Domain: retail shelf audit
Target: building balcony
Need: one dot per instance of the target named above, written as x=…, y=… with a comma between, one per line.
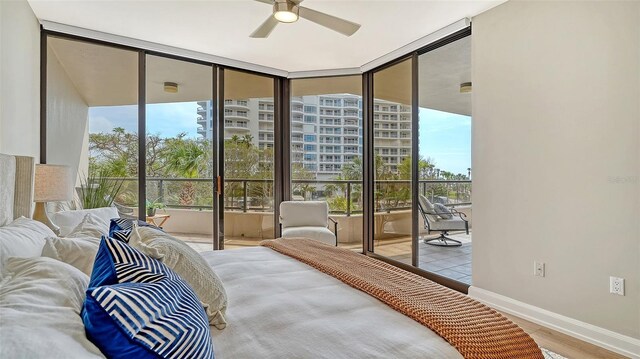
x=234, y=114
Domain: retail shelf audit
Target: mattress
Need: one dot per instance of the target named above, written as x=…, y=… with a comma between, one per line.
x=281, y=308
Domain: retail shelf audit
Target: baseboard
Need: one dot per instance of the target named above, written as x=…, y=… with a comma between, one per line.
x=601, y=337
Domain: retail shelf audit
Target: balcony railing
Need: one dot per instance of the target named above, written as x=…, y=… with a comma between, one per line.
x=344, y=196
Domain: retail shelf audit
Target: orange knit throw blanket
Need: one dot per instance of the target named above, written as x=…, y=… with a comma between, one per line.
x=474, y=329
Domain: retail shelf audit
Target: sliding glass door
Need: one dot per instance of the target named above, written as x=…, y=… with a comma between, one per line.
x=92, y=122
x=179, y=149
x=248, y=145
x=326, y=149
x=445, y=159
x=392, y=162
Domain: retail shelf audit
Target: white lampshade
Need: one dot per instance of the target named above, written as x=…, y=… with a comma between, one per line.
x=52, y=183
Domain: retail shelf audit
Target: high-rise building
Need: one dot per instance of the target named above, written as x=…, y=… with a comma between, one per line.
x=326, y=130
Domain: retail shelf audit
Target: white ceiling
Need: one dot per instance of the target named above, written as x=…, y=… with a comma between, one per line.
x=222, y=28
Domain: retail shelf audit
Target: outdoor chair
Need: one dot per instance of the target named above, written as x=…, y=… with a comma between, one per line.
x=441, y=219
x=307, y=219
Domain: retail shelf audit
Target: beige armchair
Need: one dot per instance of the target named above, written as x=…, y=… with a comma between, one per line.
x=307, y=219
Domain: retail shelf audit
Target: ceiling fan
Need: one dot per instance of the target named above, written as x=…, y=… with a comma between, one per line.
x=288, y=11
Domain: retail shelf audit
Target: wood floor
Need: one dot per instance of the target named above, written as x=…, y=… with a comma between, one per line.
x=563, y=344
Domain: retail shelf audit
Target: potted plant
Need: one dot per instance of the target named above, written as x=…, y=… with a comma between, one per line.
x=153, y=206
x=97, y=190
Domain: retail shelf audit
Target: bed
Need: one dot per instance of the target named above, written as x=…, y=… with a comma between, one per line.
x=279, y=307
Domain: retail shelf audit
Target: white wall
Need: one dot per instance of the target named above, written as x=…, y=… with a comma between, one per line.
x=67, y=120
x=19, y=79
x=556, y=157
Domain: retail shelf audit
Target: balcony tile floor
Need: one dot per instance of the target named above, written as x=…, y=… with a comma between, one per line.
x=450, y=262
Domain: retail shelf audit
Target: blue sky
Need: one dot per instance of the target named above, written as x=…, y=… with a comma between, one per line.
x=444, y=137
x=166, y=119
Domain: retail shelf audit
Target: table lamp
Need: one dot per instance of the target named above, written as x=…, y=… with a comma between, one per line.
x=52, y=184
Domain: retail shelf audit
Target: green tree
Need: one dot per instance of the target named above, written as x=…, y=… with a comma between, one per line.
x=185, y=158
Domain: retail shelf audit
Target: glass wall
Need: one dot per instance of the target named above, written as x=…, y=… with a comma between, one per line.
x=445, y=156
x=179, y=148
x=392, y=120
x=248, y=158
x=92, y=122
x=326, y=149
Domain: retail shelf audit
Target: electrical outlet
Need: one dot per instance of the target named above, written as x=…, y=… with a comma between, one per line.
x=616, y=285
x=538, y=269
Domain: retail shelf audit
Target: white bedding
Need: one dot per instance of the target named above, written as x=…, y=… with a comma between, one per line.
x=281, y=308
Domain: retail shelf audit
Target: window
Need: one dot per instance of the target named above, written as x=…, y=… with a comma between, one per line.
x=325, y=109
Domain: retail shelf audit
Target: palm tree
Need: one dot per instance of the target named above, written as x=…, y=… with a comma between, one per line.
x=185, y=158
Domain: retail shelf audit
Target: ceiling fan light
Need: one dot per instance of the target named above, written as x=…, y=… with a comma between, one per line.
x=285, y=11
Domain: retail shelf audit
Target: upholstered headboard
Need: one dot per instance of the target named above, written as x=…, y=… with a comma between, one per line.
x=16, y=187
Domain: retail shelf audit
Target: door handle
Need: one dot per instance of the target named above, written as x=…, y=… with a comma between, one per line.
x=219, y=185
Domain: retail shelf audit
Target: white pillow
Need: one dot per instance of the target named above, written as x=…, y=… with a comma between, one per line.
x=24, y=237
x=91, y=226
x=68, y=220
x=78, y=252
x=40, y=304
x=189, y=265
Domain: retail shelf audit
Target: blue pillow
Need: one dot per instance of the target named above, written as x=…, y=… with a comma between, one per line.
x=136, y=307
x=120, y=228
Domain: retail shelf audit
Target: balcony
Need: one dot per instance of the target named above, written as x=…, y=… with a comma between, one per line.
x=236, y=114
x=248, y=215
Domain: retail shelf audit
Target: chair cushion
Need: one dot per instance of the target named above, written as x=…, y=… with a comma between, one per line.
x=452, y=224
x=322, y=234
x=442, y=211
x=304, y=213
x=136, y=307
x=426, y=204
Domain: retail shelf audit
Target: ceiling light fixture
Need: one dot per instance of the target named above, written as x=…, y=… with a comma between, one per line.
x=285, y=11
x=170, y=87
x=465, y=87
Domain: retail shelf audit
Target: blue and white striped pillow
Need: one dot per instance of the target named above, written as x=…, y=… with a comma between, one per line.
x=136, y=307
x=120, y=228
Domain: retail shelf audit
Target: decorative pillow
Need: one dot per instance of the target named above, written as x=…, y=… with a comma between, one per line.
x=120, y=228
x=91, y=226
x=442, y=211
x=189, y=265
x=68, y=220
x=136, y=307
x=40, y=303
x=426, y=204
x=24, y=237
x=78, y=252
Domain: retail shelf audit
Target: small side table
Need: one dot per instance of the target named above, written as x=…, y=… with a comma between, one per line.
x=158, y=217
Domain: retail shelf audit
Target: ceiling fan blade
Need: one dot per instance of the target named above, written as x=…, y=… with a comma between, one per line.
x=270, y=2
x=265, y=29
x=342, y=26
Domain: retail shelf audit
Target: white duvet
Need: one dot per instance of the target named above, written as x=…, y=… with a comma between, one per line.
x=281, y=308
